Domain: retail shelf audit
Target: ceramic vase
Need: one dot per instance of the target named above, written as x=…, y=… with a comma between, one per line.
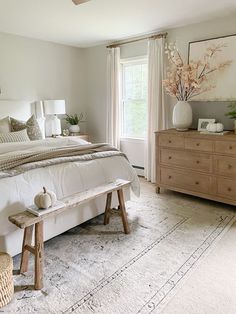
x=182, y=116
x=74, y=128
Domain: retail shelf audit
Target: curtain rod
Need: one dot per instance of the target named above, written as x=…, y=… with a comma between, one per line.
x=155, y=36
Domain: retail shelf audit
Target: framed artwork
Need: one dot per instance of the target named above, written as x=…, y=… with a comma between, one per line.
x=203, y=123
x=223, y=80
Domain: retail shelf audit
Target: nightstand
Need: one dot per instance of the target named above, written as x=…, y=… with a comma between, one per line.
x=83, y=136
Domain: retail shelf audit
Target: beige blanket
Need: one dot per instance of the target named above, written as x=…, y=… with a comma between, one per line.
x=18, y=162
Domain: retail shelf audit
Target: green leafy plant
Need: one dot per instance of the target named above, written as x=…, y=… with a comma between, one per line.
x=232, y=113
x=74, y=119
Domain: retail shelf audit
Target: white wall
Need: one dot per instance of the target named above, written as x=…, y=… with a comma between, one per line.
x=34, y=69
x=96, y=92
x=96, y=59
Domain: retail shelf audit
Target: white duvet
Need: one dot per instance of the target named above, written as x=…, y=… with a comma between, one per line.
x=17, y=192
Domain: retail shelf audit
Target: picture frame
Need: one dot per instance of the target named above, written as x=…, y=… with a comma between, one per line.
x=224, y=81
x=203, y=123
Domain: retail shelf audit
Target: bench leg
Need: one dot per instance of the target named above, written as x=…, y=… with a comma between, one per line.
x=108, y=207
x=39, y=255
x=25, y=253
x=123, y=211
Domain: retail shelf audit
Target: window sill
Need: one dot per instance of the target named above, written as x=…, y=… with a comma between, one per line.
x=132, y=139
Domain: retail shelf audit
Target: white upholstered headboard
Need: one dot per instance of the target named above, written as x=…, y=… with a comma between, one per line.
x=22, y=110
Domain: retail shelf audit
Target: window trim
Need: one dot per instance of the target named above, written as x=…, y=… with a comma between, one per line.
x=134, y=59
x=125, y=61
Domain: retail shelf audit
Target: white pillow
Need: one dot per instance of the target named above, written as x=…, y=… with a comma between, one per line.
x=18, y=136
x=5, y=125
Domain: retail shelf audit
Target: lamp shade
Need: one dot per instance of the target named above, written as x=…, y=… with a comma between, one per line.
x=54, y=107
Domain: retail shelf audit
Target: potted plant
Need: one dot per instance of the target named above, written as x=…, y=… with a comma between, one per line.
x=232, y=114
x=73, y=121
x=187, y=80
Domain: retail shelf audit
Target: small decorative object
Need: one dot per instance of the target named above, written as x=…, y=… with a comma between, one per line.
x=74, y=133
x=217, y=133
x=65, y=132
x=232, y=114
x=6, y=279
x=73, y=121
x=185, y=81
x=215, y=127
x=182, y=116
x=203, y=123
x=74, y=128
x=45, y=199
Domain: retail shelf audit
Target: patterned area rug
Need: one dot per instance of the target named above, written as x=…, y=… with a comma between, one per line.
x=97, y=269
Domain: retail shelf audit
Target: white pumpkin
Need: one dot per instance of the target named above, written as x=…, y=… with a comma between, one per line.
x=45, y=199
x=215, y=127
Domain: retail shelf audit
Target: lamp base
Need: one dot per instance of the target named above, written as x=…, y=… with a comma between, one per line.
x=53, y=126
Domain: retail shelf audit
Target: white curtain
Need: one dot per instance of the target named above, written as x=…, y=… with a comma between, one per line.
x=156, y=103
x=113, y=96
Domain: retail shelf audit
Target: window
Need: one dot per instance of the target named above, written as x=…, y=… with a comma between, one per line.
x=134, y=99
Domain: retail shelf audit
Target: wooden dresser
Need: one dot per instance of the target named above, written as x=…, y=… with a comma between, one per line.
x=197, y=164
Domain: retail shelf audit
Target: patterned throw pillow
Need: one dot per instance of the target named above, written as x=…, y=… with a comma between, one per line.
x=31, y=125
x=19, y=136
x=5, y=125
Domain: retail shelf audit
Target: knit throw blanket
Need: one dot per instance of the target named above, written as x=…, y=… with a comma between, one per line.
x=19, y=162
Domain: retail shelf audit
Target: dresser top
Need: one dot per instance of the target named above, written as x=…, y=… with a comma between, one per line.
x=196, y=134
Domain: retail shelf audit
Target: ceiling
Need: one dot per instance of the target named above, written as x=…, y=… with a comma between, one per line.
x=101, y=21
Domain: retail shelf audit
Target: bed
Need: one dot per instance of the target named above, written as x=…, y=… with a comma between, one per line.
x=65, y=175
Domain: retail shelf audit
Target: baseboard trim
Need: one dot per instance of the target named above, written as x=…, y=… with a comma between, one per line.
x=139, y=170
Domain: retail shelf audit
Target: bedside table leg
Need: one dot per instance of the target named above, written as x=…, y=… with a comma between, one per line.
x=158, y=190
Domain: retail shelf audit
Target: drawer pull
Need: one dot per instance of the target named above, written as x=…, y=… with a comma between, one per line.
x=170, y=141
x=229, y=166
x=229, y=189
x=230, y=147
x=198, y=162
x=197, y=183
x=170, y=177
x=198, y=144
x=170, y=157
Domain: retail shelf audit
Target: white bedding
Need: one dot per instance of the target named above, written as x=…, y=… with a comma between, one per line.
x=49, y=142
x=17, y=192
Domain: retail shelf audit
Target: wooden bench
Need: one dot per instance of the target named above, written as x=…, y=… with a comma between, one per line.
x=27, y=221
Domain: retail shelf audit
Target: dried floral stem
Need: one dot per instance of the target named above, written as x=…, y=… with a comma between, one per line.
x=185, y=81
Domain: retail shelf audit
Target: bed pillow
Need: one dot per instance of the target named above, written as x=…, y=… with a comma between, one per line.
x=5, y=125
x=19, y=136
x=32, y=126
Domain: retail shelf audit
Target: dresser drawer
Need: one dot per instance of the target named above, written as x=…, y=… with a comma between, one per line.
x=186, y=159
x=225, y=166
x=226, y=188
x=189, y=181
x=199, y=144
x=224, y=147
x=171, y=141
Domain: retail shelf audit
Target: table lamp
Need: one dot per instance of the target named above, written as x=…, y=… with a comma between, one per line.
x=51, y=109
